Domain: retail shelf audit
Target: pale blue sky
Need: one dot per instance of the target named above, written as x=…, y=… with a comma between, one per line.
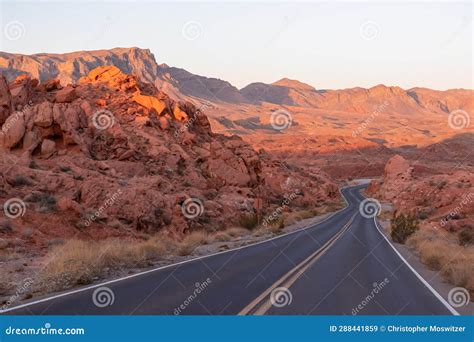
x=416, y=44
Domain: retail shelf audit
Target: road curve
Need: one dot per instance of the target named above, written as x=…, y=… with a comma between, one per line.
x=341, y=266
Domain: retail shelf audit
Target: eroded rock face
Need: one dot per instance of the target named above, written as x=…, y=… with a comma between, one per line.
x=442, y=198
x=6, y=104
x=114, y=156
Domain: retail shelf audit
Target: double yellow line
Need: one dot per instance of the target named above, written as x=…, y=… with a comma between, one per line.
x=261, y=304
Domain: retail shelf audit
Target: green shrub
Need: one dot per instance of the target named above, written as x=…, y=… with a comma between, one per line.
x=403, y=226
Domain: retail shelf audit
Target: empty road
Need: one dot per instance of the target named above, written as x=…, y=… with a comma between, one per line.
x=341, y=266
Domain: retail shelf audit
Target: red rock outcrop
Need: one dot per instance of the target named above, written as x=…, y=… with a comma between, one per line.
x=441, y=197
x=113, y=156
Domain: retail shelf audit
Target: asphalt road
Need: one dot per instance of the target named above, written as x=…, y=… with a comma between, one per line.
x=341, y=266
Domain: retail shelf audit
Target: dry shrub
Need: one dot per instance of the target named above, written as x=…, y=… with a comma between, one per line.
x=191, y=241
x=80, y=262
x=5, y=287
x=237, y=231
x=441, y=252
x=248, y=221
x=221, y=236
x=402, y=227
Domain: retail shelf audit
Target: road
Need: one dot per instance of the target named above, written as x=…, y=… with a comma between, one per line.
x=341, y=266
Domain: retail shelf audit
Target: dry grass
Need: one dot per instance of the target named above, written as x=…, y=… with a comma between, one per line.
x=191, y=241
x=237, y=231
x=79, y=262
x=228, y=234
x=441, y=252
x=221, y=236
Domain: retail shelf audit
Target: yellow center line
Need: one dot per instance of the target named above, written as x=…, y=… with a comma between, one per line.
x=291, y=276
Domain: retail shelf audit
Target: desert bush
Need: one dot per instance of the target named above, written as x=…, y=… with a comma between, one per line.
x=191, y=241
x=441, y=185
x=63, y=168
x=5, y=226
x=221, y=236
x=80, y=262
x=402, y=226
x=248, y=221
x=441, y=252
x=237, y=231
x=21, y=180
x=5, y=287
x=466, y=236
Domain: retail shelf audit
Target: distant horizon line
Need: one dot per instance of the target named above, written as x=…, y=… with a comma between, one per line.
x=220, y=79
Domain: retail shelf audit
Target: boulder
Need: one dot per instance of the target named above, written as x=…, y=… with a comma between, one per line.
x=13, y=130
x=396, y=166
x=66, y=95
x=48, y=147
x=44, y=114
x=6, y=104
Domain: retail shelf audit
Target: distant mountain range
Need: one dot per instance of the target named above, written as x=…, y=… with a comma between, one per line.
x=179, y=83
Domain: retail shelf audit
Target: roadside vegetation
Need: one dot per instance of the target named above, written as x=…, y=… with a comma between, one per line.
x=402, y=227
x=441, y=251
x=76, y=262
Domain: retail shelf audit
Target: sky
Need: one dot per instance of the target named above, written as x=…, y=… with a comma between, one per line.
x=329, y=45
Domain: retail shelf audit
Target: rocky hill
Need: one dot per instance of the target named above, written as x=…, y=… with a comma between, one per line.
x=113, y=156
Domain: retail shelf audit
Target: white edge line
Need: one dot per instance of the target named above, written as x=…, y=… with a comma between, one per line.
x=175, y=264
x=436, y=294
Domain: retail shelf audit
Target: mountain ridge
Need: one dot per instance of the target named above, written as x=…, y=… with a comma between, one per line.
x=184, y=85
